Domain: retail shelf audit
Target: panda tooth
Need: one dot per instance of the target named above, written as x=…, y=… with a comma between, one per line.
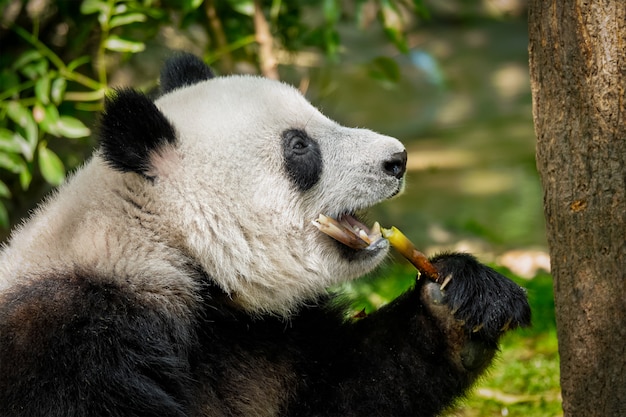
x=363, y=235
x=375, y=233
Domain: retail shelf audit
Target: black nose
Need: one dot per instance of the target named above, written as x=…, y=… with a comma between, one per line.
x=396, y=165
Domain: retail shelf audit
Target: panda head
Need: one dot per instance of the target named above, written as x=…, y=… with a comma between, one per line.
x=236, y=168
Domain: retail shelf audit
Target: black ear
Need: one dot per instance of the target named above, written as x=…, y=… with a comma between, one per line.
x=183, y=69
x=131, y=128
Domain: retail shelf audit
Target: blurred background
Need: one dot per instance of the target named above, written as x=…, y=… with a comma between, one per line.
x=449, y=78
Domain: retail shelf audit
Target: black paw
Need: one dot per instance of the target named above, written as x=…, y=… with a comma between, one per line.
x=486, y=302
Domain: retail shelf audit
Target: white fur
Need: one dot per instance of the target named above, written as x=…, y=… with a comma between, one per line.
x=221, y=199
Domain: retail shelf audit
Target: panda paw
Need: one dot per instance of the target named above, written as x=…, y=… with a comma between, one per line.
x=484, y=302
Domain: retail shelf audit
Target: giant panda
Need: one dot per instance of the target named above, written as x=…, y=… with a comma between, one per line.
x=177, y=273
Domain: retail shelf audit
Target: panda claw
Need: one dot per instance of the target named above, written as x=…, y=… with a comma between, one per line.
x=507, y=326
x=446, y=281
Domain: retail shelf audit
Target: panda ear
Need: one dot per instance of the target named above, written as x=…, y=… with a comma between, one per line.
x=132, y=129
x=183, y=69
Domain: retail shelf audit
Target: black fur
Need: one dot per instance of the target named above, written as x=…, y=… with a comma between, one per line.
x=131, y=128
x=182, y=70
x=76, y=346
x=302, y=159
x=73, y=346
x=486, y=301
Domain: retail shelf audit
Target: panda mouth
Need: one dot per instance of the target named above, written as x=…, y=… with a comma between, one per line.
x=351, y=232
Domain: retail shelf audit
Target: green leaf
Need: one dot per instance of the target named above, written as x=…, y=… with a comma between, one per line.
x=4, y=190
x=70, y=127
x=245, y=7
x=11, y=162
x=127, y=19
x=115, y=43
x=35, y=69
x=8, y=142
x=25, y=58
x=51, y=166
x=398, y=39
x=191, y=5
x=23, y=118
x=50, y=121
x=93, y=6
x=42, y=89
x=4, y=217
x=26, y=176
x=14, y=142
x=57, y=90
x=393, y=24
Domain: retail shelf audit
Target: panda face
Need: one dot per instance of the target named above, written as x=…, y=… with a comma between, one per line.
x=253, y=165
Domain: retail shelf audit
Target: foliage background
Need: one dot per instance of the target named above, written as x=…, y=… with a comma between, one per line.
x=447, y=77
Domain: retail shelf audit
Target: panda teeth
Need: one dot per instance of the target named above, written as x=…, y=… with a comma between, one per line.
x=351, y=232
x=339, y=232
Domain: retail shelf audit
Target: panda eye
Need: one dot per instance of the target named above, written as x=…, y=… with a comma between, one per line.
x=302, y=158
x=298, y=142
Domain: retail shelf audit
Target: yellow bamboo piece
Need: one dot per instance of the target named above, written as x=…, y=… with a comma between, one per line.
x=402, y=244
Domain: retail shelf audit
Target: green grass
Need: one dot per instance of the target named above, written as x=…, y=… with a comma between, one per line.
x=524, y=379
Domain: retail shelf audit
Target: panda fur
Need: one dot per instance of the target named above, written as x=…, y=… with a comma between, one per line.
x=177, y=273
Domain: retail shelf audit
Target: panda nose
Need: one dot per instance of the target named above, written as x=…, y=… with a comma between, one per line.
x=395, y=165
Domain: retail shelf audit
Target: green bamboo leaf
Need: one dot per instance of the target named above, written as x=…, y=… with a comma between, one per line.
x=57, y=90
x=126, y=19
x=4, y=190
x=42, y=90
x=70, y=127
x=51, y=167
x=117, y=44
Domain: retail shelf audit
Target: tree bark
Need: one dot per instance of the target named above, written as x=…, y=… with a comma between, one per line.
x=578, y=79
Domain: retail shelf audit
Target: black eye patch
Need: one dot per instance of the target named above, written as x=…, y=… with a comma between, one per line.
x=302, y=158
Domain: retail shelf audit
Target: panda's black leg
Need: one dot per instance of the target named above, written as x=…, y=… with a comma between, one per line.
x=75, y=346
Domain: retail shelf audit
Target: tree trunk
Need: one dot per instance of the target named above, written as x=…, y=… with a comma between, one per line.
x=578, y=78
